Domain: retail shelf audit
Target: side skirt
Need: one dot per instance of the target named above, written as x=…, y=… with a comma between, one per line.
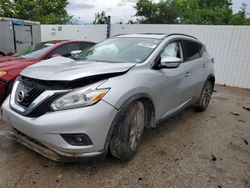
x=170, y=113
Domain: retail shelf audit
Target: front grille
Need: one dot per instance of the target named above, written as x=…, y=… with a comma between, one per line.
x=44, y=107
x=27, y=93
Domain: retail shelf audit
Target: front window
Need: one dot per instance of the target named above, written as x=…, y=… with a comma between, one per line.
x=172, y=50
x=120, y=50
x=34, y=51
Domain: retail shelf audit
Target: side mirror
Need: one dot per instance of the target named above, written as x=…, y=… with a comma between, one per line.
x=75, y=52
x=170, y=62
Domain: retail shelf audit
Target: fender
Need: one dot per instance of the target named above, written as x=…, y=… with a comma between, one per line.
x=150, y=122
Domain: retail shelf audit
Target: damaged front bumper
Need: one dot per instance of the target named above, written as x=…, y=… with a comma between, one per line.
x=45, y=151
x=44, y=134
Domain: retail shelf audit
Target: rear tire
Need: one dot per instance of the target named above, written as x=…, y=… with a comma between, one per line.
x=128, y=131
x=2, y=54
x=205, y=97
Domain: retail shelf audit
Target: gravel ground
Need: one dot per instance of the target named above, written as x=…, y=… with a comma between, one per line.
x=210, y=149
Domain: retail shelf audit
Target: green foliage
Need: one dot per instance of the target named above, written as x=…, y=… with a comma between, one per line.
x=207, y=12
x=44, y=11
x=241, y=17
x=210, y=12
x=164, y=12
x=100, y=18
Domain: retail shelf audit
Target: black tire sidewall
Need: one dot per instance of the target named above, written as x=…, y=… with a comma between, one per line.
x=123, y=133
x=201, y=106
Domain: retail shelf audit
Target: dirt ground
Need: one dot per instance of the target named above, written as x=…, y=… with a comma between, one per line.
x=210, y=149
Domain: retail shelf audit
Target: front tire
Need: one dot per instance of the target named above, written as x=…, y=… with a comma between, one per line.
x=128, y=131
x=205, y=97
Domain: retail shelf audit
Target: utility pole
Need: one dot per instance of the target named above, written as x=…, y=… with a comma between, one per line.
x=108, y=26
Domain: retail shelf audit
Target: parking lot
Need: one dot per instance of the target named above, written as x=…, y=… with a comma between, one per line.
x=210, y=149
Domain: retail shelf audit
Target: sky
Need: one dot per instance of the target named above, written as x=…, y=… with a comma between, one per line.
x=119, y=10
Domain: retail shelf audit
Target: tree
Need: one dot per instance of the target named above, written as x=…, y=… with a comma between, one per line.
x=101, y=18
x=44, y=11
x=164, y=12
x=6, y=8
x=241, y=17
x=210, y=12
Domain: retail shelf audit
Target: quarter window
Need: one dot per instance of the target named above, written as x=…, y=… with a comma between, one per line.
x=191, y=50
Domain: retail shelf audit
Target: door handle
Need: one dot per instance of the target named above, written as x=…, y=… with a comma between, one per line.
x=204, y=65
x=187, y=74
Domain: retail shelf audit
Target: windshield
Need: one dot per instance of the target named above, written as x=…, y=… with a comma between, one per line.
x=120, y=50
x=34, y=51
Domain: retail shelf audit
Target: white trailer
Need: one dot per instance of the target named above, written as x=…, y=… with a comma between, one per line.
x=16, y=34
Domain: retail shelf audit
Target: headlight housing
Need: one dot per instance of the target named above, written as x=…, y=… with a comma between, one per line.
x=80, y=97
x=2, y=73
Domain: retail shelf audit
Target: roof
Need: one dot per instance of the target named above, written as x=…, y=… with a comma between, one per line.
x=54, y=41
x=66, y=41
x=19, y=21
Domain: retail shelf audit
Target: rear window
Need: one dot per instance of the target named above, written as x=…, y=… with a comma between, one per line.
x=191, y=50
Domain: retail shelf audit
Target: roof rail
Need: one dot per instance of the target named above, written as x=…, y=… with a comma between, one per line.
x=141, y=34
x=181, y=34
x=166, y=35
x=153, y=33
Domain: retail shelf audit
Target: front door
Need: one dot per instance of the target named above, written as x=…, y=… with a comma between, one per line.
x=174, y=90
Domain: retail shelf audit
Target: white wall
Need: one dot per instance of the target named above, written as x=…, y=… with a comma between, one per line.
x=94, y=33
x=230, y=45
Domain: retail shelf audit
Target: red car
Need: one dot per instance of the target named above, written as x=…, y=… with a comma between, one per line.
x=11, y=66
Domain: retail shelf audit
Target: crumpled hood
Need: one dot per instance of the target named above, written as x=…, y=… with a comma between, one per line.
x=66, y=69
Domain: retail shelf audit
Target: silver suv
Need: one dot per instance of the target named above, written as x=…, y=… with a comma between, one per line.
x=103, y=100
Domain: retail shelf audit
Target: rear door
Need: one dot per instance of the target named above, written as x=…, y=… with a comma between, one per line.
x=194, y=64
x=23, y=37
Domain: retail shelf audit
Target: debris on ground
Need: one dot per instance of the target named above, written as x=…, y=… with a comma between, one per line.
x=241, y=121
x=246, y=108
x=140, y=178
x=213, y=157
x=235, y=114
x=59, y=177
x=45, y=165
x=246, y=142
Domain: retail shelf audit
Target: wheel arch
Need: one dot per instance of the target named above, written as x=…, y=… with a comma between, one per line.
x=150, y=114
x=211, y=78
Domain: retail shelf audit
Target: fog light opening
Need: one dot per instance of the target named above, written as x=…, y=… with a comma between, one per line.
x=77, y=139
